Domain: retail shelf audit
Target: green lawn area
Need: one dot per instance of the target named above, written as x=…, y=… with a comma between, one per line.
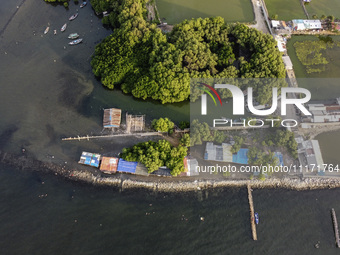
x=175, y=11
x=286, y=10
x=324, y=7
x=324, y=85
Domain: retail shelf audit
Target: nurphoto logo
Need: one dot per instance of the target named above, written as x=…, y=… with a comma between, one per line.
x=287, y=98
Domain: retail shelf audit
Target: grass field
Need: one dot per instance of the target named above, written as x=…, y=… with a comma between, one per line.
x=286, y=10
x=175, y=11
x=324, y=7
x=324, y=85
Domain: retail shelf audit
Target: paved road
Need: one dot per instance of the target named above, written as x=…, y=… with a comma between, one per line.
x=260, y=20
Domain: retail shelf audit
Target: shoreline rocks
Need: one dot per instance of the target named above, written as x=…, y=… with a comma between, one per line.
x=163, y=185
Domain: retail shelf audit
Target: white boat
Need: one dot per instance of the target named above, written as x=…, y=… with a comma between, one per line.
x=55, y=31
x=73, y=36
x=46, y=30
x=63, y=28
x=73, y=16
x=75, y=42
x=83, y=4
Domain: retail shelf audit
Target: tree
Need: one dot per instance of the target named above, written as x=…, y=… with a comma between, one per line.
x=219, y=136
x=199, y=132
x=184, y=124
x=156, y=154
x=185, y=140
x=237, y=145
x=162, y=125
x=142, y=61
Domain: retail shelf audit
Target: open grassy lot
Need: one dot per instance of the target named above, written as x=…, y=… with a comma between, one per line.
x=324, y=7
x=175, y=11
x=286, y=10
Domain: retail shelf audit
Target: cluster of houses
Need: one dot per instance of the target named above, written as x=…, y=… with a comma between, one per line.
x=112, y=165
x=223, y=153
x=323, y=112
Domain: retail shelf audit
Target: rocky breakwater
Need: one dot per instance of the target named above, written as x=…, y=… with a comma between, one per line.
x=163, y=184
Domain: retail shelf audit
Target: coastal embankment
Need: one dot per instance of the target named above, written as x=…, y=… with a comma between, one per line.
x=162, y=184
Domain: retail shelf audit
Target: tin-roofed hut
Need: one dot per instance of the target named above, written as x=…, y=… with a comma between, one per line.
x=112, y=118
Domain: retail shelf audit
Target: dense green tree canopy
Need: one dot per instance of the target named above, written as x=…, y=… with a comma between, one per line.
x=143, y=61
x=163, y=125
x=156, y=154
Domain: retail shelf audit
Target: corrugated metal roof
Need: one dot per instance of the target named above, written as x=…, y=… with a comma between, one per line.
x=90, y=159
x=112, y=117
x=109, y=164
x=127, y=166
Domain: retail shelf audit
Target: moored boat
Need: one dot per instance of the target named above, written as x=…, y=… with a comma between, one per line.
x=83, y=4
x=55, y=31
x=73, y=36
x=63, y=28
x=46, y=30
x=75, y=42
x=256, y=215
x=73, y=16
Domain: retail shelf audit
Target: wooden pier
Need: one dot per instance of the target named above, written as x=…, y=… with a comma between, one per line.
x=336, y=230
x=252, y=213
x=108, y=136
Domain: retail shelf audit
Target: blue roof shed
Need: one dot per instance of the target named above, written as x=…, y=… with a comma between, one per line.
x=127, y=166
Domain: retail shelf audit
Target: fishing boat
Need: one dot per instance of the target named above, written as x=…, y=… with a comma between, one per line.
x=73, y=16
x=46, y=30
x=256, y=215
x=75, y=42
x=63, y=28
x=83, y=4
x=55, y=31
x=73, y=36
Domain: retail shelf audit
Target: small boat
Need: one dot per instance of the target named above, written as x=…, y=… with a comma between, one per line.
x=256, y=218
x=63, y=28
x=83, y=4
x=75, y=42
x=46, y=30
x=55, y=31
x=73, y=36
x=73, y=16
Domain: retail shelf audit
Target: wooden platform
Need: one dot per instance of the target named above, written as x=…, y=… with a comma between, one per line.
x=108, y=136
x=252, y=213
x=336, y=230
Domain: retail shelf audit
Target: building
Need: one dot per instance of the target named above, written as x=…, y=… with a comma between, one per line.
x=126, y=166
x=112, y=118
x=109, y=165
x=190, y=166
x=281, y=44
x=223, y=153
x=218, y=152
x=306, y=24
x=287, y=62
x=135, y=123
x=322, y=113
x=310, y=154
x=275, y=24
x=90, y=159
